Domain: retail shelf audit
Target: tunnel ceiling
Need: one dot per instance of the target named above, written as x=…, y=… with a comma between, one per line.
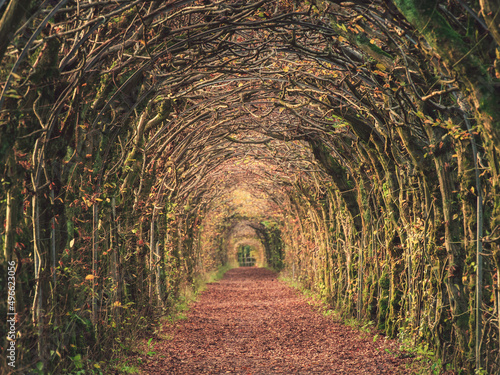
x=219, y=94
x=176, y=103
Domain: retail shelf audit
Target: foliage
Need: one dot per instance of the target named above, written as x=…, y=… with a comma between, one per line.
x=347, y=143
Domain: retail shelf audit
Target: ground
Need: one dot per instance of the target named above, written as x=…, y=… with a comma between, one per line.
x=251, y=323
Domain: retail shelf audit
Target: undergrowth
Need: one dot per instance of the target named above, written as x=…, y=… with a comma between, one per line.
x=138, y=347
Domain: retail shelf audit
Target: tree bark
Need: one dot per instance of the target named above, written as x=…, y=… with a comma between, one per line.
x=491, y=13
x=338, y=173
x=10, y=215
x=459, y=56
x=10, y=20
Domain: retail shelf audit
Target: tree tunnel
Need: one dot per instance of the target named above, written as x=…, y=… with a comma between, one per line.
x=352, y=145
x=243, y=243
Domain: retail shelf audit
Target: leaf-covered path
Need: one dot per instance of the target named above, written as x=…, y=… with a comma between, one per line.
x=250, y=323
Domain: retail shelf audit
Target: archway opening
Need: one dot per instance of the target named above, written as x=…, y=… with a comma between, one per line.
x=246, y=256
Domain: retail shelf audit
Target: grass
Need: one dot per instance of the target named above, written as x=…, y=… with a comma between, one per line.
x=424, y=359
x=315, y=299
x=219, y=274
x=128, y=369
x=189, y=294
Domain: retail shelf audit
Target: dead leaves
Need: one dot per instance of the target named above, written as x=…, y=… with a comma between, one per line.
x=249, y=323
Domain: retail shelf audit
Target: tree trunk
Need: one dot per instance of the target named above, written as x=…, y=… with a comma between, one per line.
x=10, y=220
x=53, y=247
x=94, y=263
x=151, y=255
x=12, y=17
x=159, y=293
x=115, y=262
x=460, y=56
x=452, y=232
x=38, y=298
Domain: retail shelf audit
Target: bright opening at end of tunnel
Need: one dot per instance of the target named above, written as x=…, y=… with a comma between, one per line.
x=245, y=212
x=246, y=256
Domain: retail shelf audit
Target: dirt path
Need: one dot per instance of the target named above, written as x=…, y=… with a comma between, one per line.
x=250, y=323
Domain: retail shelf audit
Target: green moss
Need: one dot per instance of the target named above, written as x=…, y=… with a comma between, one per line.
x=48, y=65
x=384, y=281
x=383, y=305
x=370, y=296
x=362, y=39
x=375, y=48
x=424, y=15
x=489, y=105
x=396, y=301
